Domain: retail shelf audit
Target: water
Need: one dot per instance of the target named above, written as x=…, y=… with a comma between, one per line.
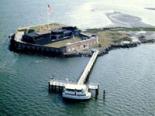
x=127, y=75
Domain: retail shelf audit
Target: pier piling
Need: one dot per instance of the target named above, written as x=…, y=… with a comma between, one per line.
x=103, y=94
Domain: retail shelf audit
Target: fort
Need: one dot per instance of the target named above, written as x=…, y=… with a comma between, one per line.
x=52, y=39
x=60, y=40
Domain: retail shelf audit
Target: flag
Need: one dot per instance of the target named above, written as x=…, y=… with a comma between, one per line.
x=49, y=9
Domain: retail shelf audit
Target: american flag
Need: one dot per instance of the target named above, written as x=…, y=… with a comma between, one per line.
x=49, y=9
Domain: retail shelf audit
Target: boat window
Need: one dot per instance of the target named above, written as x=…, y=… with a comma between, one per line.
x=72, y=90
x=79, y=90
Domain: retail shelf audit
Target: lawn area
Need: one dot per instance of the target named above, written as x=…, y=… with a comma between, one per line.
x=134, y=29
x=63, y=43
x=46, y=27
x=95, y=30
x=41, y=28
x=108, y=37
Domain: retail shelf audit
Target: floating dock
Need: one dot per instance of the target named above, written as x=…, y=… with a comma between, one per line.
x=57, y=86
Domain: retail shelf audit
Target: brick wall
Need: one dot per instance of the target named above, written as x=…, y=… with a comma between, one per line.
x=81, y=45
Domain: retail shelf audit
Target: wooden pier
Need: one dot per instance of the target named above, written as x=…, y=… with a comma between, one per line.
x=57, y=86
x=88, y=68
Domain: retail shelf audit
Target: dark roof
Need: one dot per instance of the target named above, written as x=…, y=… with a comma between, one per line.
x=32, y=35
x=70, y=28
x=59, y=31
x=62, y=33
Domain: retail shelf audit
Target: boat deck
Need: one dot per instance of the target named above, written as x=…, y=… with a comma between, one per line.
x=58, y=85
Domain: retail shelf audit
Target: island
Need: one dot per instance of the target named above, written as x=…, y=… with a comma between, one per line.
x=60, y=40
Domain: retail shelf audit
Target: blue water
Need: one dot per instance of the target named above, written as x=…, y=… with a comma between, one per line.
x=127, y=75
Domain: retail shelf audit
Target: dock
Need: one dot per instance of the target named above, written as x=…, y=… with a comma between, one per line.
x=57, y=85
x=88, y=68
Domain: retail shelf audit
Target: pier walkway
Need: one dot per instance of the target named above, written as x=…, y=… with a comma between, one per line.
x=57, y=86
x=88, y=68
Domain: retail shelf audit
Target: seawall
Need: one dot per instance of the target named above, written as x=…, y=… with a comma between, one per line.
x=20, y=47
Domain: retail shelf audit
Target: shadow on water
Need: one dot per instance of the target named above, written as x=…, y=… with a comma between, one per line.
x=67, y=101
x=70, y=101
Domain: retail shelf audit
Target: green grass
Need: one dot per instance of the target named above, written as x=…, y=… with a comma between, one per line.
x=108, y=37
x=135, y=29
x=46, y=27
x=96, y=30
x=41, y=28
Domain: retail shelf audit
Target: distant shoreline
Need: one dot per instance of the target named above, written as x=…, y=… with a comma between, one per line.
x=150, y=8
x=126, y=20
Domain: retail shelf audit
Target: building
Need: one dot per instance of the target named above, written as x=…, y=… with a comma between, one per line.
x=61, y=41
x=53, y=36
x=81, y=45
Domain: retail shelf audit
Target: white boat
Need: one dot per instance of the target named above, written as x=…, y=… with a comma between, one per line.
x=76, y=92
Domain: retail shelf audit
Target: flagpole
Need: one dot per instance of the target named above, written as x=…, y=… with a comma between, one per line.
x=48, y=17
x=49, y=13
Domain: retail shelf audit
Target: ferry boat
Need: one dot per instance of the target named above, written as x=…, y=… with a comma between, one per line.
x=76, y=92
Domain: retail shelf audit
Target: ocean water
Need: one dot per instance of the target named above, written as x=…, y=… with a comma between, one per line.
x=127, y=75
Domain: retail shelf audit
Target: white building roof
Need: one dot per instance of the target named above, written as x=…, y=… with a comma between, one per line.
x=75, y=86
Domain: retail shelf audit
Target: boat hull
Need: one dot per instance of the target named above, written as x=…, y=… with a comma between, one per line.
x=76, y=97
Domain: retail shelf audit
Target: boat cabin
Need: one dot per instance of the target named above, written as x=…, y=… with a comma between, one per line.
x=76, y=92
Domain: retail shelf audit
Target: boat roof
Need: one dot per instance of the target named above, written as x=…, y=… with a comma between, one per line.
x=75, y=86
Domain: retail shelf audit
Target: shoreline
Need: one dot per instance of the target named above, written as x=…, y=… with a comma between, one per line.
x=103, y=39
x=14, y=45
x=126, y=20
